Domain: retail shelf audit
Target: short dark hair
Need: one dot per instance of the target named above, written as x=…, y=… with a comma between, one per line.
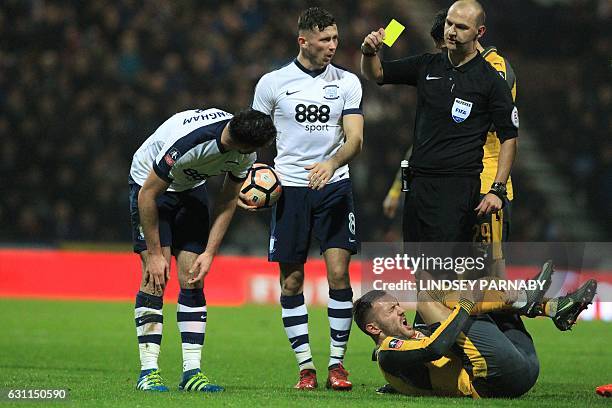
x=315, y=18
x=252, y=128
x=437, y=28
x=363, y=306
x=481, y=16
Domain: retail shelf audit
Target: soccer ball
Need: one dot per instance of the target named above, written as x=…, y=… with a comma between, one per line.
x=262, y=188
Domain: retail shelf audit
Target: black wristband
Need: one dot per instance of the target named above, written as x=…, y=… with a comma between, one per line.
x=499, y=195
x=367, y=54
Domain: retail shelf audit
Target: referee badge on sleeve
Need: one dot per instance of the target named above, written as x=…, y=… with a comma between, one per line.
x=461, y=110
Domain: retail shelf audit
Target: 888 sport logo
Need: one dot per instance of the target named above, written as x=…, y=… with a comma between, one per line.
x=316, y=116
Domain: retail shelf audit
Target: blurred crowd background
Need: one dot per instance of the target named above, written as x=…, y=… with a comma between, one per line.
x=83, y=84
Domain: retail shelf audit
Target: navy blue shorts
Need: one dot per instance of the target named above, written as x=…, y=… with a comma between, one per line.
x=300, y=212
x=183, y=220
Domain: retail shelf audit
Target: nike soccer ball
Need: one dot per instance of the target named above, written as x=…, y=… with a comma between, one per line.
x=262, y=188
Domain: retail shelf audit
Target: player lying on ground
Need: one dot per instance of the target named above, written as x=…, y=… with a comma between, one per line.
x=170, y=216
x=468, y=353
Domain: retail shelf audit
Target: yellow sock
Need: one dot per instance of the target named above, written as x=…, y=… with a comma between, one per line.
x=493, y=301
x=550, y=307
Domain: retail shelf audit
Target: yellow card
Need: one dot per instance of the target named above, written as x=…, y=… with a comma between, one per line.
x=393, y=30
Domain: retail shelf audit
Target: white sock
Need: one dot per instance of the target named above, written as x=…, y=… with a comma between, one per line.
x=521, y=299
x=192, y=356
x=149, y=353
x=149, y=325
x=191, y=316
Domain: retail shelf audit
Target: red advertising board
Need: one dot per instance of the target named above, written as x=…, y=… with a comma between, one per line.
x=232, y=281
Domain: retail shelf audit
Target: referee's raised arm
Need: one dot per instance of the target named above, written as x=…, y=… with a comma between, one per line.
x=371, y=67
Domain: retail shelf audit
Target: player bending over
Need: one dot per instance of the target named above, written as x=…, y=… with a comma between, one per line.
x=467, y=353
x=170, y=216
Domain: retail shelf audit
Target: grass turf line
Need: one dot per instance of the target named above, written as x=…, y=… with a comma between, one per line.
x=91, y=348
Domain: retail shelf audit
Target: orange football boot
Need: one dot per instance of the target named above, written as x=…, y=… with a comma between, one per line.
x=604, y=390
x=308, y=380
x=338, y=379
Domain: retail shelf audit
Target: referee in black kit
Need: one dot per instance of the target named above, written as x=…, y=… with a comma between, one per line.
x=459, y=97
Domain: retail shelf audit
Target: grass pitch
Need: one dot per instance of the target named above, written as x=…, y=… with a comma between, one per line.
x=90, y=348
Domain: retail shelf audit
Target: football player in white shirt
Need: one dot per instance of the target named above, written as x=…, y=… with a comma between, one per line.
x=316, y=107
x=169, y=212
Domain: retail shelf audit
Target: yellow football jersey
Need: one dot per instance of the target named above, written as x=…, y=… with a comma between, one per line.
x=492, y=145
x=415, y=367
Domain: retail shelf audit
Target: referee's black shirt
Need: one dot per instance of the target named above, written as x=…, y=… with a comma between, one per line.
x=455, y=109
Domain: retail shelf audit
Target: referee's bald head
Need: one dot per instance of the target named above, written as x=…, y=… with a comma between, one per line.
x=474, y=8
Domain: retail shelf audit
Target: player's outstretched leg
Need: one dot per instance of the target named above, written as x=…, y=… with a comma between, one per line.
x=564, y=310
x=525, y=302
x=534, y=305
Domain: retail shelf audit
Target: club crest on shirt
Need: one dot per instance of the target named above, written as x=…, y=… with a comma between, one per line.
x=396, y=343
x=461, y=110
x=172, y=156
x=330, y=91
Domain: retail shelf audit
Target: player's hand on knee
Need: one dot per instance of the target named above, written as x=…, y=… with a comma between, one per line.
x=373, y=41
x=157, y=272
x=320, y=174
x=200, y=267
x=490, y=203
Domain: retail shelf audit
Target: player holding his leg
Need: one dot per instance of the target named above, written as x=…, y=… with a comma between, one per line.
x=170, y=216
x=464, y=352
x=316, y=108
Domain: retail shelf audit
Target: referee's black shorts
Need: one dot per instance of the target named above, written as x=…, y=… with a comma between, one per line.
x=441, y=209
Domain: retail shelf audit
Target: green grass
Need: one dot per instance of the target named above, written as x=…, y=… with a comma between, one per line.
x=91, y=349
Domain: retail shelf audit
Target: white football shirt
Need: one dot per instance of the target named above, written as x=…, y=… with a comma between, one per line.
x=186, y=150
x=307, y=108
